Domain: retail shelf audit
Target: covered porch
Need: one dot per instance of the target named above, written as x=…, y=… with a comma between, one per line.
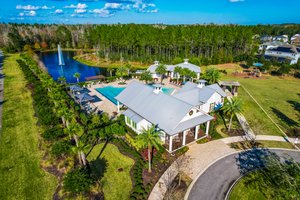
x=181, y=139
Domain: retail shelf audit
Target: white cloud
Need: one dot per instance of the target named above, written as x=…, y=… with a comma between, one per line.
x=101, y=12
x=21, y=14
x=27, y=7
x=58, y=11
x=112, y=6
x=31, y=7
x=31, y=13
x=235, y=1
x=79, y=11
x=78, y=6
x=47, y=8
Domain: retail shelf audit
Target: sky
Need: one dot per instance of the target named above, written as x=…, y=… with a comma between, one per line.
x=245, y=12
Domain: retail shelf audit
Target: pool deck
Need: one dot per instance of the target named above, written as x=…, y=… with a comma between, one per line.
x=106, y=105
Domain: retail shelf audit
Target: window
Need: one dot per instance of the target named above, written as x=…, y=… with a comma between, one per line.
x=127, y=120
x=133, y=125
x=211, y=107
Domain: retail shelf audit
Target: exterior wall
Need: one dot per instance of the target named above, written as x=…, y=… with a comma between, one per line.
x=143, y=124
x=216, y=99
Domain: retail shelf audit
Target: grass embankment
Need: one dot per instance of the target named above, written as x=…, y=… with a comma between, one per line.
x=262, y=144
x=279, y=96
x=20, y=171
x=243, y=191
x=116, y=181
x=93, y=60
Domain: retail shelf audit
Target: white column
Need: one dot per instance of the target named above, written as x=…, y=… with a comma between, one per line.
x=196, y=132
x=170, y=143
x=184, y=137
x=118, y=105
x=207, y=128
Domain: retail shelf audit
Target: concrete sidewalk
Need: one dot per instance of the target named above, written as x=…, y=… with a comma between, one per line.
x=199, y=157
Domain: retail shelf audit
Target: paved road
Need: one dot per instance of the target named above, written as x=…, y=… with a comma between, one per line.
x=214, y=183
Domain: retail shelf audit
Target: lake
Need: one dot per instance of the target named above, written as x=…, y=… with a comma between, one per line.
x=50, y=59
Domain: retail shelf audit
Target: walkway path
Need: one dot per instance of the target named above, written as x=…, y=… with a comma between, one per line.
x=1, y=89
x=199, y=157
x=215, y=182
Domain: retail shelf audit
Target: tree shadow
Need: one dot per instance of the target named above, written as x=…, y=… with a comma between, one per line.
x=98, y=168
x=296, y=106
x=282, y=116
x=253, y=159
x=2, y=102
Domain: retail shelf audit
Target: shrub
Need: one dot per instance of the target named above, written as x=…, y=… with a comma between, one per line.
x=182, y=150
x=61, y=148
x=53, y=133
x=77, y=181
x=202, y=141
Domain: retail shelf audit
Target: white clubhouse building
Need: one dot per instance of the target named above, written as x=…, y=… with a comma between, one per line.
x=171, y=68
x=181, y=118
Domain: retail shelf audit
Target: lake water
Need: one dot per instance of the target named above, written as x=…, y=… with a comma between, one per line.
x=50, y=59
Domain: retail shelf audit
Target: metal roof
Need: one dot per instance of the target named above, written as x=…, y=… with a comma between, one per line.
x=132, y=115
x=189, y=66
x=191, y=123
x=159, y=109
x=197, y=96
x=75, y=88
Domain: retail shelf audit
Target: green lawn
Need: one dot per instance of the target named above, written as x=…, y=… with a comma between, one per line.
x=116, y=184
x=279, y=96
x=20, y=171
x=241, y=191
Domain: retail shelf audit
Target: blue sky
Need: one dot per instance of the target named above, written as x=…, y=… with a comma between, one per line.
x=151, y=11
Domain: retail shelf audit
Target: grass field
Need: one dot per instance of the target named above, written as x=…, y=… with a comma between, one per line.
x=279, y=96
x=116, y=184
x=241, y=191
x=20, y=172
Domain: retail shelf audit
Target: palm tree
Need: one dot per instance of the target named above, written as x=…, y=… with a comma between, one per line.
x=232, y=107
x=212, y=75
x=110, y=71
x=177, y=70
x=149, y=138
x=61, y=80
x=122, y=71
x=146, y=76
x=161, y=69
x=77, y=76
x=185, y=72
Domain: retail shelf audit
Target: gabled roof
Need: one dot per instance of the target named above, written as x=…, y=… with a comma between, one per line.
x=132, y=115
x=285, y=49
x=189, y=66
x=159, y=109
x=152, y=68
x=191, y=94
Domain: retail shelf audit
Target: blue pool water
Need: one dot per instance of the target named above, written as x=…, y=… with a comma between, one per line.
x=50, y=59
x=110, y=92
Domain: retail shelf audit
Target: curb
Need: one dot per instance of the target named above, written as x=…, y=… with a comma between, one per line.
x=197, y=177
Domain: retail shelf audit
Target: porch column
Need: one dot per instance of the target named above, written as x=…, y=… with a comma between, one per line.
x=196, y=132
x=118, y=105
x=184, y=137
x=207, y=128
x=170, y=143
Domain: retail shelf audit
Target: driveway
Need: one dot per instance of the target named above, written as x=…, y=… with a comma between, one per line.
x=217, y=179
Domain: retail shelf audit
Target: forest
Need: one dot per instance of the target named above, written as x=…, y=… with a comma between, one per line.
x=202, y=44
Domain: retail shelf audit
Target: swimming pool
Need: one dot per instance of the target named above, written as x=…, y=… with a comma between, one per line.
x=110, y=92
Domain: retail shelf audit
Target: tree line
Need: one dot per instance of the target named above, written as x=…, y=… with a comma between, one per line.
x=203, y=44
